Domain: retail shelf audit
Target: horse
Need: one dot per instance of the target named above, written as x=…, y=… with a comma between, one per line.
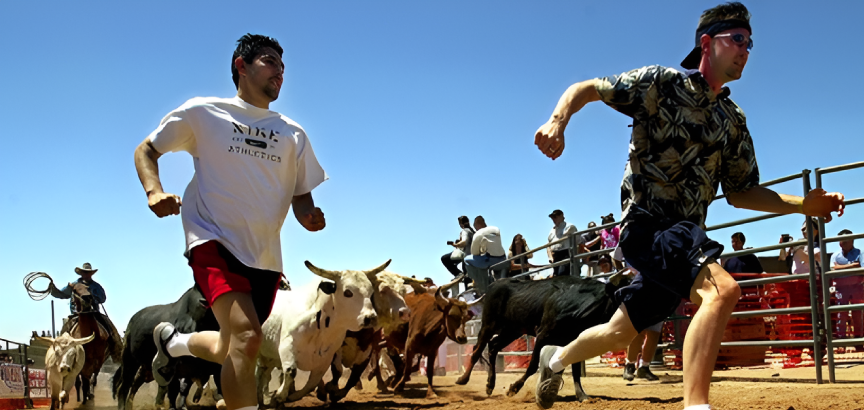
x=95, y=352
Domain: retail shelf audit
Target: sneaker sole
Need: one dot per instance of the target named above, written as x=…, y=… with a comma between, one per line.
x=162, y=359
x=545, y=374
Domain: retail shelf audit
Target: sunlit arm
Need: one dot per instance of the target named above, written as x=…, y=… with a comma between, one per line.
x=765, y=200
x=576, y=97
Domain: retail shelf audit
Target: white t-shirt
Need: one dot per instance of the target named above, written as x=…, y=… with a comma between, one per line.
x=562, y=230
x=249, y=164
x=487, y=240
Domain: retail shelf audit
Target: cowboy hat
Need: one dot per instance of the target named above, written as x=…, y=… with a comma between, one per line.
x=86, y=268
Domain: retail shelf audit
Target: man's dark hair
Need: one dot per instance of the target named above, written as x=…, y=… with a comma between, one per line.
x=845, y=232
x=463, y=220
x=740, y=236
x=728, y=11
x=248, y=47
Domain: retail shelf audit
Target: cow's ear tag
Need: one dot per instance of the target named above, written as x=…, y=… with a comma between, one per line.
x=327, y=287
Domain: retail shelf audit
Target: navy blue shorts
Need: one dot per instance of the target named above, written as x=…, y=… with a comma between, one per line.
x=668, y=257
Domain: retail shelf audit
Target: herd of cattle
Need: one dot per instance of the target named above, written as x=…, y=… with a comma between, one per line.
x=349, y=319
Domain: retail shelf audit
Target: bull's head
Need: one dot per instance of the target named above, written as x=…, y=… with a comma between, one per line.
x=65, y=353
x=388, y=298
x=456, y=312
x=352, y=295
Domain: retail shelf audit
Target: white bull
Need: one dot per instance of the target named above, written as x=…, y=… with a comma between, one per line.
x=388, y=297
x=307, y=326
x=63, y=361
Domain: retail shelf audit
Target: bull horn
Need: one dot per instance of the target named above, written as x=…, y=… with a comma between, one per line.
x=44, y=339
x=326, y=274
x=452, y=283
x=372, y=273
x=412, y=281
x=84, y=340
x=439, y=297
x=476, y=301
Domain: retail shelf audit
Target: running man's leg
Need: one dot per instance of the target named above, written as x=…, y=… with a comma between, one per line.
x=717, y=294
x=614, y=335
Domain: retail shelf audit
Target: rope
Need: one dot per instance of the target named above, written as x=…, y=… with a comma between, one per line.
x=34, y=293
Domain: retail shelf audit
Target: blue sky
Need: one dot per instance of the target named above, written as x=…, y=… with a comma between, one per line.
x=419, y=111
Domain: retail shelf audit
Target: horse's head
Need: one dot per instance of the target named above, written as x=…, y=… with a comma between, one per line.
x=82, y=297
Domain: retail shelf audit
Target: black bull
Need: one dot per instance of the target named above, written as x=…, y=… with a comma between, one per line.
x=188, y=314
x=555, y=310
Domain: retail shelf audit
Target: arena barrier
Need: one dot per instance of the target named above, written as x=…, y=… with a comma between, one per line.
x=14, y=378
x=817, y=289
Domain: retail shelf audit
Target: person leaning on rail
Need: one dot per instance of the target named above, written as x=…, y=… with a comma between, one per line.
x=688, y=138
x=561, y=251
x=521, y=265
x=800, y=254
x=848, y=289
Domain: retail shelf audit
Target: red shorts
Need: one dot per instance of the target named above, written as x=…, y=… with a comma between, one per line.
x=218, y=272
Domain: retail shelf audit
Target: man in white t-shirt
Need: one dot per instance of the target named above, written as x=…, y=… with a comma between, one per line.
x=251, y=166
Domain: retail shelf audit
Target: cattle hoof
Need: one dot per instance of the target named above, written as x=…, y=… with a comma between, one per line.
x=321, y=395
x=220, y=405
x=582, y=397
x=489, y=391
x=462, y=381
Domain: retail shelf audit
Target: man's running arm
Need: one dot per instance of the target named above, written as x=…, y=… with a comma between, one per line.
x=550, y=137
x=307, y=214
x=817, y=203
x=160, y=202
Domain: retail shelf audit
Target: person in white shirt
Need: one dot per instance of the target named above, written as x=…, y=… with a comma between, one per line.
x=251, y=166
x=561, y=251
x=486, y=247
x=800, y=254
x=486, y=250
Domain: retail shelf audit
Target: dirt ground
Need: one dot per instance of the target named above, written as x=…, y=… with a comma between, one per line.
x=761, y=389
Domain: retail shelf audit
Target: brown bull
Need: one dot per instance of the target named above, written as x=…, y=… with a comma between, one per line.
x=433, y=318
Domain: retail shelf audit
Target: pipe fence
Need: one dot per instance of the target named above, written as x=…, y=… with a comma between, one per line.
x=820, y=318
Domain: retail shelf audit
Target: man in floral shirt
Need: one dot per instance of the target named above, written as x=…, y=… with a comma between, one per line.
x=688, y=139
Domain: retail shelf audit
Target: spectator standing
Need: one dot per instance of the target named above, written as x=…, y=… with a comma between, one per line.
x=486, y=250
x=521, y=265
x=800, y=254
x=850, y=289
x=461, y=247
x=561, y=251
x=592, y=242
x=741, y=264
x=610, y=238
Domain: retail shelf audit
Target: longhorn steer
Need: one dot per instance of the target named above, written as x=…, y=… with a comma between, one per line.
x=388, y=298
x=556, y=310
x=433, y=319
x=63, y=361
x=307, y=328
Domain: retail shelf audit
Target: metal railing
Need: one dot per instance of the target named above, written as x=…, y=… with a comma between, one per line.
x=827, y=310
x=818, y=322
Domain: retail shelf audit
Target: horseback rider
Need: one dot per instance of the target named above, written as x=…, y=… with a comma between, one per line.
x=115, y=342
